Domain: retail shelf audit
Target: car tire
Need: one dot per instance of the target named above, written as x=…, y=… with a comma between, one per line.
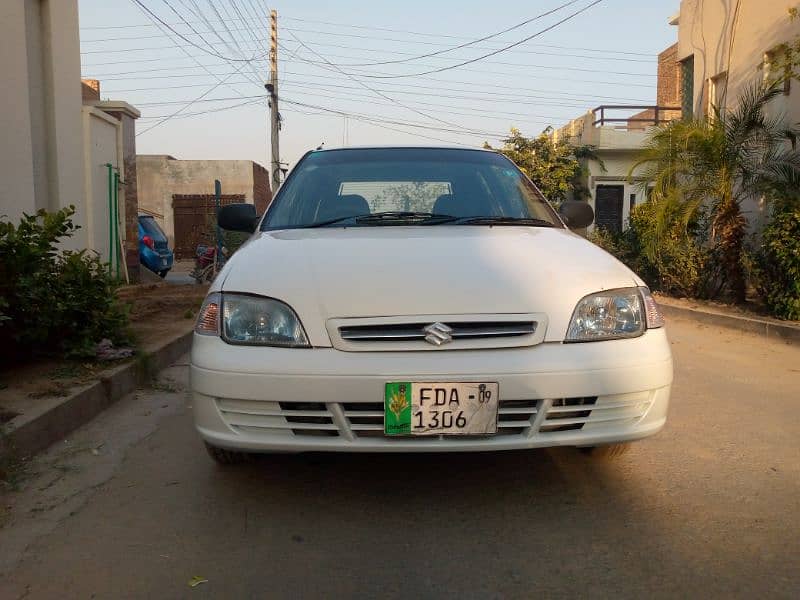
x=608, y=451
x=226, y=457
x=163, y=273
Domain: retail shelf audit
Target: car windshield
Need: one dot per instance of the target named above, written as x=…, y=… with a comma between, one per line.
x=407, y=186
x=152, y=229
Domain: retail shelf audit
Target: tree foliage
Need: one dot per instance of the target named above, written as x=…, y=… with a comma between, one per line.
x=555, y=167
x=711, y=167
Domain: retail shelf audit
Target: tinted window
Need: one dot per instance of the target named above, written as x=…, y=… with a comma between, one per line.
x=459, y=183
x=152, y=229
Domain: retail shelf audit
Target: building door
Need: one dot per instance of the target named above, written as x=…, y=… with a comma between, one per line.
x=608, y=207
x=195, y=220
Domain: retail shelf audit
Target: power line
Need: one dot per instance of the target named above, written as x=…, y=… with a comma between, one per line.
x=514, y=64
x=458, y=130
x=480, y=71
x=558, y=54
x=187, y=105
x=202, y=112
x=438, y=35
x=465, y=44
x=195, y=60
x=559, y=102
x=211, y=51
x=359, y=71
x=650, y=60
x=534, y=92
x=447, y=110
x=498, y=51
x=364, y=85
x=434, y=91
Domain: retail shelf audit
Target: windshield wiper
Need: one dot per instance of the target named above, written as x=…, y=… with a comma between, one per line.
x=394, y=216
x=334, y=221
x=390, y=217
x=531, y=221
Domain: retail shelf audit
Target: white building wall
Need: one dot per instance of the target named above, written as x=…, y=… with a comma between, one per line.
x=617, y=166
x=41, y=158
x=102, y=139
x=17, y=193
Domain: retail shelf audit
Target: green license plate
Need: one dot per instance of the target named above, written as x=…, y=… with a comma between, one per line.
x=423, y=408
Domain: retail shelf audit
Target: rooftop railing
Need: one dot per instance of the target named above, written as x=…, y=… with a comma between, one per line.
x=660, y=114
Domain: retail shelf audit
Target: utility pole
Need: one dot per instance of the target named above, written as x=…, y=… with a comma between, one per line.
x=272, y=88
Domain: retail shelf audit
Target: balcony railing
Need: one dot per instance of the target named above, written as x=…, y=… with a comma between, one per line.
x=660, y=114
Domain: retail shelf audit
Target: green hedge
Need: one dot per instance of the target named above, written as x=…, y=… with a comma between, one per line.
x=53, y=301
x=777, y=264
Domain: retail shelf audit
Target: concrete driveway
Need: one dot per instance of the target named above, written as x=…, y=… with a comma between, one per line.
x=132, y=507
x=179, y=274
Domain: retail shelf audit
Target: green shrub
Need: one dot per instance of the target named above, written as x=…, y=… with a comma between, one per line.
x=661, y=249
x=777, y=264
x=626, y=247
x=53, y=302
x=674, y=250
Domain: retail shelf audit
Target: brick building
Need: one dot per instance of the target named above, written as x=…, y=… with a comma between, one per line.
x=668, y=91
x=179, y=193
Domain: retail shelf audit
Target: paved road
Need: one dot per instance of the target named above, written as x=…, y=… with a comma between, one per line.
x=180, y=272
x=132, y=507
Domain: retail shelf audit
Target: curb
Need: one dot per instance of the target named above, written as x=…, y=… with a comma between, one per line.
x=32, y=432
x=763, y=327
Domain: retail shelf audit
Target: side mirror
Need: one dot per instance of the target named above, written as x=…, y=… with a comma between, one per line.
x=576, y=214
x=238, y=217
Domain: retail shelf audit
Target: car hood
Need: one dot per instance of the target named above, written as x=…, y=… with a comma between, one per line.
x=424, y=270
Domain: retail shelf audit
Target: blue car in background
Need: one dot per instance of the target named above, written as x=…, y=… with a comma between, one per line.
x=154, y=252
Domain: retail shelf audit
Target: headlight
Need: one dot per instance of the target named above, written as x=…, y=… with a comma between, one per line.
x=253, y=320
x=614, y=314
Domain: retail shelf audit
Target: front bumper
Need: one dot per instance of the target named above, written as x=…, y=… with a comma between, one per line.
x=322, y=399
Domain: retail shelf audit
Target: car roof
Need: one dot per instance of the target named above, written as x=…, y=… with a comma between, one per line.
x=405, y=147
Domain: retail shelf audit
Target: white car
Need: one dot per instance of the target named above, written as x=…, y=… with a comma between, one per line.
x=418, y=300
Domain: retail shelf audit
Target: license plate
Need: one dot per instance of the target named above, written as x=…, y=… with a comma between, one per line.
x=163, y=262
x=415, y=408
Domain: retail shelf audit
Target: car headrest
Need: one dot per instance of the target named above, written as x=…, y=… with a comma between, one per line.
x=346, y=205
x=448, y=204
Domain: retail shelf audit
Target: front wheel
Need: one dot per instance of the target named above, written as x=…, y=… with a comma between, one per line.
x=607, y=451
x=163, y=273
x=226, y=457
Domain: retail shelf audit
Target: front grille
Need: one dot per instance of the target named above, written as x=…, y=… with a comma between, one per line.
x=416, y=331
x=299, y=418
x=567, y=414
x=570, y=414
x=355, y=420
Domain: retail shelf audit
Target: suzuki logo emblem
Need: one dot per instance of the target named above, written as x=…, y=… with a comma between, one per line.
x=438, y=334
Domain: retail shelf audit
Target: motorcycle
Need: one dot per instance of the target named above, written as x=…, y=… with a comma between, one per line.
x=206, y=263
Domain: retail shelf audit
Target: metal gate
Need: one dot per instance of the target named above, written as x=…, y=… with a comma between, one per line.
x=608, y=207
x=194, y=218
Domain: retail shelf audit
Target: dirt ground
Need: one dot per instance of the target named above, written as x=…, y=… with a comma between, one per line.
x=158, y=311
x=130, y=506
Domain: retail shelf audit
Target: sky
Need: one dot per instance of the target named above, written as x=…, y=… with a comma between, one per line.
x=199, y=80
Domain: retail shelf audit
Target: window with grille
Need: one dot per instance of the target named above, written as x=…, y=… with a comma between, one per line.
x=776, y=68
x=715, y=99
x=687, y=87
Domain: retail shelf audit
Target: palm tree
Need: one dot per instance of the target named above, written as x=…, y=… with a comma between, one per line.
x=714, y=165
